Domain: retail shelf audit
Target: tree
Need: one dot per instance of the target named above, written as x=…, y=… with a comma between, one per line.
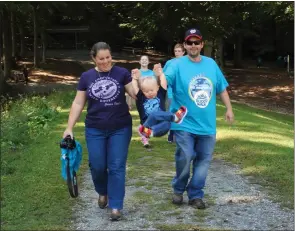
x=7, y=40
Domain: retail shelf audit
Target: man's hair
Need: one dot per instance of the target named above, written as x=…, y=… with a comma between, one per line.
x=99, y=46
x=179, y=45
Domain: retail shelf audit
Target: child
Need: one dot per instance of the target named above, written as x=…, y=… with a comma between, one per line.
x=178, y=52
x=151, y=107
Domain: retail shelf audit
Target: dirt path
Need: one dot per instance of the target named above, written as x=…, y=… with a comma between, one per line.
x=234, y=202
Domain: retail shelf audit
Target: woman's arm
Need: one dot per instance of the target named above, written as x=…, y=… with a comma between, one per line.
x=129, y=88
x=135, y=73
x=75, y=112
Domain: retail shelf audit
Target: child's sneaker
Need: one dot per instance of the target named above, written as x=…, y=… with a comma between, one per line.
x=180, y=114
x=145, y=142
x=143, y=131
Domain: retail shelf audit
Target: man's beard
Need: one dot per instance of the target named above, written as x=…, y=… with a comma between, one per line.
x=194, y=56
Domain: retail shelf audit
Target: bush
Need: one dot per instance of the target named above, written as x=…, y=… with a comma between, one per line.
x=24, y=119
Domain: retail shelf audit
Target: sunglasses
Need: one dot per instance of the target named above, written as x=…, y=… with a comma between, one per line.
x=193, y=42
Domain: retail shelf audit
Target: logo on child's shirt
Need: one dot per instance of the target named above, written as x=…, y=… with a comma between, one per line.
x=200, y=90
x=151, y=105
x=104, y=89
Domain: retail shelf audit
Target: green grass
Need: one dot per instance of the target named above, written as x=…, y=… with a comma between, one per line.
x=34, y=196
x=262, y=144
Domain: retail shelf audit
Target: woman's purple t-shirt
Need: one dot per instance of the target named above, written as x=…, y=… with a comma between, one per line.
x=107, y=107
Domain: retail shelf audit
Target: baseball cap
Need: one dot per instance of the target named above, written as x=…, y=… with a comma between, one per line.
x=192, y=33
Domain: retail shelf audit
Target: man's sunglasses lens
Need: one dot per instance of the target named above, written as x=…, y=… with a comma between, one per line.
x=193, y=42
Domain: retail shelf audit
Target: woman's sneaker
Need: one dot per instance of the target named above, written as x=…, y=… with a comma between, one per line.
x=180, y=114
x=115, y=215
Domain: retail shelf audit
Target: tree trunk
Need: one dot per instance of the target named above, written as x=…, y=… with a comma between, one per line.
x=13, y=37
x=220, y=52
x=36, y=60
x=238, y=50
x=43, y=37
x=2, y=81
x=1, y=40
x=22, y=40
x=7, y=42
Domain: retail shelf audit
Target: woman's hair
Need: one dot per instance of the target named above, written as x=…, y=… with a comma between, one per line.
x=179, y=45
x=97, y=47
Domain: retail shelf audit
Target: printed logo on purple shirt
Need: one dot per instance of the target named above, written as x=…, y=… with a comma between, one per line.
x=104, y=89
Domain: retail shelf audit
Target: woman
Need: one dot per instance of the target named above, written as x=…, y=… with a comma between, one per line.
x=108, y=125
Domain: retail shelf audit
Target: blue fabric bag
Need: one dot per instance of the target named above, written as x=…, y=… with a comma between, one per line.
x=75, y=158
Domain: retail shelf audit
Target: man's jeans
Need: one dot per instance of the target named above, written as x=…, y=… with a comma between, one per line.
x=107, y=151
x=159, y=122
x=197, y=149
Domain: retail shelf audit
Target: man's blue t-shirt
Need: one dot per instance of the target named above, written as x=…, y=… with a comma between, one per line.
x=195, y=85
x=107, y=107
x=145, y=73
x=169, y=89
x=146, y=106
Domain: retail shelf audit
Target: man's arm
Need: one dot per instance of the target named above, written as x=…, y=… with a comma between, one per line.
x=160, y=74
x=229, y=115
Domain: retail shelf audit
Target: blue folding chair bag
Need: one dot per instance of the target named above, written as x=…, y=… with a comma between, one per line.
x=71, y=157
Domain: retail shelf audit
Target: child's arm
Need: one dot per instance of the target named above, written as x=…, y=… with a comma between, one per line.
x=160, y=74
x=135, y=73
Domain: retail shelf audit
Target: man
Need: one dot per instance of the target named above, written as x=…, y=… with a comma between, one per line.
x=178, y=52
x=195, y=80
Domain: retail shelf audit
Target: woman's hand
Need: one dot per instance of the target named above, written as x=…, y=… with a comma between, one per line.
x=68, y=132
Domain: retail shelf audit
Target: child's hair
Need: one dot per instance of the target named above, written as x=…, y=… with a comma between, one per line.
x=179, y=45
x=146, y=80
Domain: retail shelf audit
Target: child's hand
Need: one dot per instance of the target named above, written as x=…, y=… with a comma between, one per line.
x=158, y=69
x=135, y=74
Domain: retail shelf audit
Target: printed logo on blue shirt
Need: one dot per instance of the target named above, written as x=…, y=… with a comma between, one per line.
x=105, y=89
x=200, y=90
x=151, y=105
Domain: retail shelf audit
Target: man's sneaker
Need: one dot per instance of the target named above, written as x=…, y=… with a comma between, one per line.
x=180, y=114
x=197, y=203
x=177, y=199
x=143, y=131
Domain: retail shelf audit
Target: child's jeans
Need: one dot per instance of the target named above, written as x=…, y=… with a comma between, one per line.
x=159, y=122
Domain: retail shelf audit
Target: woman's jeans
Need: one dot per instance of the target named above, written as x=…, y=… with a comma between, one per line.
x=107, y=150
x=159, y=122
x=197, y=149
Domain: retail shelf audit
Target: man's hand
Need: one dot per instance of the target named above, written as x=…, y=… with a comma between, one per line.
x=158, y=70
x=135, y=74
x=229, y=116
